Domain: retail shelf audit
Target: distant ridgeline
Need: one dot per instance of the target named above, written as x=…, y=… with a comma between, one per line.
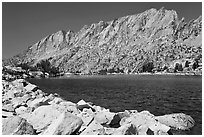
x=152, y=41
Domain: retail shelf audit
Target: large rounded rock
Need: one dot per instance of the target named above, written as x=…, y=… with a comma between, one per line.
x=66, y=106
x=22, y=110
x=9, y=94
x=16, y=126
x=177, y=121
x=115, y=122
x=87, y=115
x=99, y=108
x=109, y=131
x=138, y=119
x=20, y=83
x=104, y=117
x=6, y=114
x=31, y=87
x=19, y=101
x=65, y=124
x=8, y=107
x=145, y=121
x=82, y=104
x=43, y=116
x=127, y=129
x=37, y=102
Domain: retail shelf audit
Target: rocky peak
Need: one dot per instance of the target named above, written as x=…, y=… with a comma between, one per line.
x=125, y=43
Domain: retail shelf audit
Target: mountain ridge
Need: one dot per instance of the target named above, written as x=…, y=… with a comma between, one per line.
x=125, y=44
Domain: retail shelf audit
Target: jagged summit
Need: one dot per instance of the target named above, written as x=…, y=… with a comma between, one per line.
x=124, y=44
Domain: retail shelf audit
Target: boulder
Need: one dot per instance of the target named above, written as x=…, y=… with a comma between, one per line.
x=115, y=122
x=17, y=102
x=6, y=114
x=43, y=116
x=31, y=87
x=37, y=74
x=142, y=130
x=37, y=102
x=138, y=119
x=21, y=110
x=65, y=124
x=18, y=92
x=127, y=129
x=66, y=106
x=26, y=97
x=56, y=100
x=177, y=121
x=99, y=108
x=109, y=131
x=33, y=94
x=82, y=104
x=16, y=126
x=67, y=103
x=104, y=117
x=20, y=83
x=159, y=128
x=93, y=129
x=9, y=94
x=87, y=116
x=50, y=97
x=8, y=107
x=145, y=121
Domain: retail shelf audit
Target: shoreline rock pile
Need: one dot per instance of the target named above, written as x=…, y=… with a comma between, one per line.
x=28, y=110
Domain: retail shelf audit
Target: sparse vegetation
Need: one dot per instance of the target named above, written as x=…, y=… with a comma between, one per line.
x=46, y=67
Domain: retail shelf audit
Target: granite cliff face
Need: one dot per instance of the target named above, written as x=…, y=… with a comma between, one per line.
x=155, y=37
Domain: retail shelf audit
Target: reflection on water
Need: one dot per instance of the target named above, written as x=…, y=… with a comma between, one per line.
x=158, y=94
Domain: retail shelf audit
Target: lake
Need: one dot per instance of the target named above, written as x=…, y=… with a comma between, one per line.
x=159, y=94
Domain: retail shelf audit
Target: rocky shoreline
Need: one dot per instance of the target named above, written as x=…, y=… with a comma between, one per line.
x=12, y=73
x=28, y=110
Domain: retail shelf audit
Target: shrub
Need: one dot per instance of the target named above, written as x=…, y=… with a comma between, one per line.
x=178, y=67
x=148, y=67
x=45, y=66
x=24, y=66
x=195, y=65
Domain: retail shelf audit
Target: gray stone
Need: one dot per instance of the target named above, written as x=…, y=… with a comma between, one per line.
x=8, y=107
x=82, y=104
x=20, y=83
x=177, y=121
x=6, y=114
x=21, y=110
x=94, y=129
x=127, y=129
x=56, y=100
x=109, y=131
x=16, y=126
x=31, y=87
x=37, y=102
x=43, y=116
x=87, y=116
x=145, y=121
x=65, y=124
x=19, y=101
x=104, y=117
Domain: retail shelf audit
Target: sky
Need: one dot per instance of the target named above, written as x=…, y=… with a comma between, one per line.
x=24, y=24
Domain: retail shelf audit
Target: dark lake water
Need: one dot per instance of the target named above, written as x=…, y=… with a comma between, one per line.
x=158, y=94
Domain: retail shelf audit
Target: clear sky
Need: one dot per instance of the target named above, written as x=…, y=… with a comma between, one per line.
x=23, y=24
